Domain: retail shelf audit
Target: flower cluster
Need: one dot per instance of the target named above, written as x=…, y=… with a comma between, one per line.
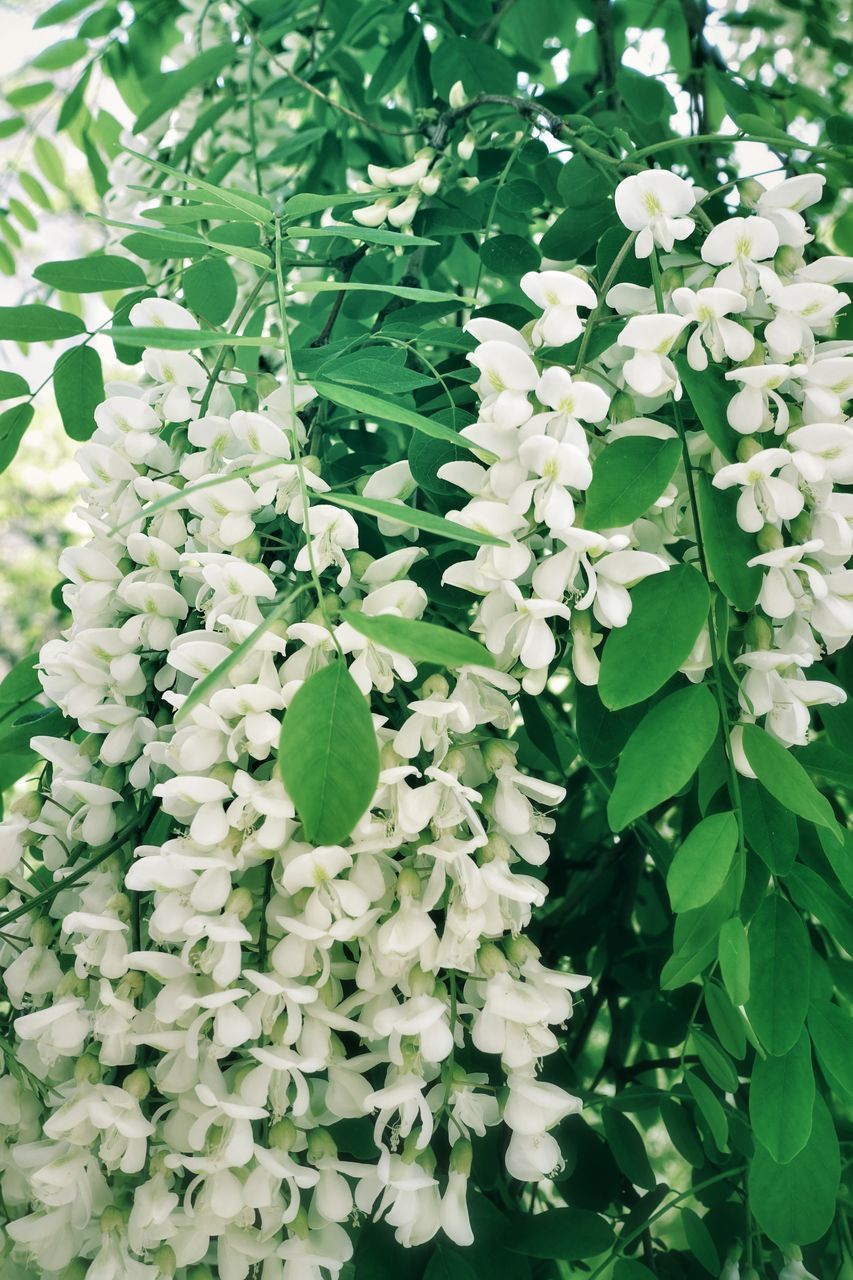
x=230, y=1041
x=745, y=299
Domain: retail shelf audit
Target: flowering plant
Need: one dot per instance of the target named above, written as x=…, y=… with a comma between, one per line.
x=448, y=718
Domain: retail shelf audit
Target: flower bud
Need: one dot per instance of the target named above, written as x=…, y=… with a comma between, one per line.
x=76, y=1270
x=388, y=758
x=137, y=1084
x=360, y=562
x=421, y=983
x=468, y=183
x=87, y=1069
x=321, y=1146
x=240, y=902
x=248, y=399
x=769, y=538
x=787, y=259
x=164, y=1259
x=248, y=548
x=496, y=754
x=435, y=687
x=223, y=772
x=283, y=1134
x=430, y=184
x=520, y=950
x=462, y=1157
x=672, y=278
x=408, y=884
x=492, y=960
x=199, y=1271
x=299, y=1226
x=41, y=933
x=457, y=97
x=621, y=407
x=751, y=192
x=496, y=849
x=27, y=805
x=454, y=762
x=465, y=148
x=311, y=463
x=758, y=633
x=801, y=526
x=747, y=448
x=113, y=1219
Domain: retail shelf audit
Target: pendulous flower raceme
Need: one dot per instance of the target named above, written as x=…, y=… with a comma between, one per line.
x=236, y=1042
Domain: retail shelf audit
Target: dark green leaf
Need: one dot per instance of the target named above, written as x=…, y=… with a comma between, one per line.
x=12, y=385
x=770, y=828
x=414, y=518
x=509, y=256
x=668, y=611
x=794, y=1203
x=779, y=965
x=785, y=778
x=709, y=394
x=560, y=1233
x=831, y=1030
x=37, y=323
x=727, y=547
x=628, y=477
x=210, y=289
x=628, y=1149
x=781, y=1100
x=734, y=957
x=378, y=409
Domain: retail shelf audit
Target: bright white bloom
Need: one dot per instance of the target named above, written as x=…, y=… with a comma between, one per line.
x=739, y=246
x=559, y=294
x=656, y=205
x=765, y=498
x=709, y=309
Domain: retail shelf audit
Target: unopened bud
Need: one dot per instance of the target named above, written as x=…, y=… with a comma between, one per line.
x=462, y=1157
x=360, y=562
x=165, y=1261
x=457, y=97
x=388, y=757
x=137, y=1084
x=801, y=526
x=756, y=356
x=311, y=463
x=283, y=1135
x=769, y=538
x=787, y=259
x=113, y=1219
x=41, y=934
x=751, y=192
x=199, y=1271
x=248, y=400
x=747, y=448
x=87, y=1069
x=248, y=548
x=465, y=149
x=671, y=278
x=521, y=950
x=240, y=903
x=435, y=687
x=430, y=184
x=408, y=884
x=454, y=762
x=421, y=983
x=492, y=960
x=299, y=1226
x=621, y=407
x=496, y=849
x=758, y=633
x=497, y=754
x=321, y=1146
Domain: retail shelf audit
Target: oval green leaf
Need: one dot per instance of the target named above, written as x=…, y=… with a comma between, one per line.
x=628, y=477
x=781, y=1100
x=700, y=866
x=36, y=322
x=328, y=757
x=779, y=964
x=78, y=385
x=785, y=778
x=420, y=641
x=794, y=1203
x=95, y=274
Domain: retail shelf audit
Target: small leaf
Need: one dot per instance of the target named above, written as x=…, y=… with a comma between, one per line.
x=37, y=323
x=328, y=757
x=368, y=235
x=709, y=393
x=509, y=256
x=733, y=953
x=628, y=478
x=12, y=385
x=378, y=409
x=414, y=518
x=95, y=274
x=785, y=778
x=306, y=203
x=699, y=869
x=210, y=289
x=831, y=1030
x=770, y=829
x=710, y=1108
x=779, y=963
x=13, y=424
x=78, y=385
x=569, y=1234
x=781, y=1100
x=628, y=1149
x=715, y=1060
x=794, y=1203
x=408, y=292
x=182, y=339
x=700, y=1240
x=662, y=753
x=727, y=547
x=420, y=641
x=668, y=611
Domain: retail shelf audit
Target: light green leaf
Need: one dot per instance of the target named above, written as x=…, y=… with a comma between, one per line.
x=410, y=294
x=257, y=206
x=369, y=235
x=794, y=1203
x=49, y=160
x=668, y=611
x=662, y=753
x=780, y=957
x=701, y=864
x=95, y=274
x=628, y=477
x=62, y=54
x=414, y=518
x=306, y=203
x=171, y=86
x=734, y=956
x=785, y=778
x=378, y=409
x=328, y=756
x=182, y=339
x=781, y=1100
x=35, y=322
x=420, y=641
x=13, y=424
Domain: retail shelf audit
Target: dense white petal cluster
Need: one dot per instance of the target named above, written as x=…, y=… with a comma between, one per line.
x=212, y=1002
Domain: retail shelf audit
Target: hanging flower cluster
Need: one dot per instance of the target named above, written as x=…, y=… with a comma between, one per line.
x=214, y=995
x=213, y=1004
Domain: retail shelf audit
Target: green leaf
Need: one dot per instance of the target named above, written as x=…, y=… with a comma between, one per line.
x=420, y=641
x=480, y=67
x=831, y=1030
x=378, y=409
x=35, y=322
x=78, y=385
x=408, y=292
x=60, y=12
x=182, y=339
x=727, y=547
x=628, y=1149
x=715, y=1061
x=255, y=205
x=779, y=963
x=414, y=518
x=210, y=289
x=449, y=1264
x=509, y=256
x=171, y=86
x=396, y=62
x=781, y=1100
x=662, y=753
x=328, y=757
x=61, y=54
x=12, y=385
x=13, y=424
x=21, y=683
x=726, y=1020
x=734, y=956
x=156, y=246
x=48, y=159
x=362, y=369
x=569, y=1234
x=306, y=203
x=785, y=778
x=700, y=1241
x=794, y=1203
x=368, y=235
x=95, y=274
x=700, y=866
x=770, y=829
x=710, y=1108
x=628, y=477
x=577, y=231
x=668, y=611
x=648, y=99
x=709, y=393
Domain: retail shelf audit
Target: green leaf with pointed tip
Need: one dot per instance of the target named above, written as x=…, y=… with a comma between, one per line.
x=781, y=1100
x=779, y=955
x=171, y=86
x=728, y=548
x=328, y=755
x=369, y=235
x=95, y=274
x=415, y=519
x=662, y=753
x=12, y=385
x=36, y=322
x=701, y=864
x=13, y=424
x=420, y=641
x=628, y=477
x=378, y=409
x=668, y=611
x=785, y=778
x=734, y=957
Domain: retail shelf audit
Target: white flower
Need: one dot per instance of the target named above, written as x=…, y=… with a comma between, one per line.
x=507, y=376
x=656, y=205
x=764, y=498
x=749, y=410
x=559, y=294
x=782, y=204
x=738, y=245
x=823, y=451
x=332, y=532
x=709, y=309
x=801, y=309
x=774, y=687
x=650, y=372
